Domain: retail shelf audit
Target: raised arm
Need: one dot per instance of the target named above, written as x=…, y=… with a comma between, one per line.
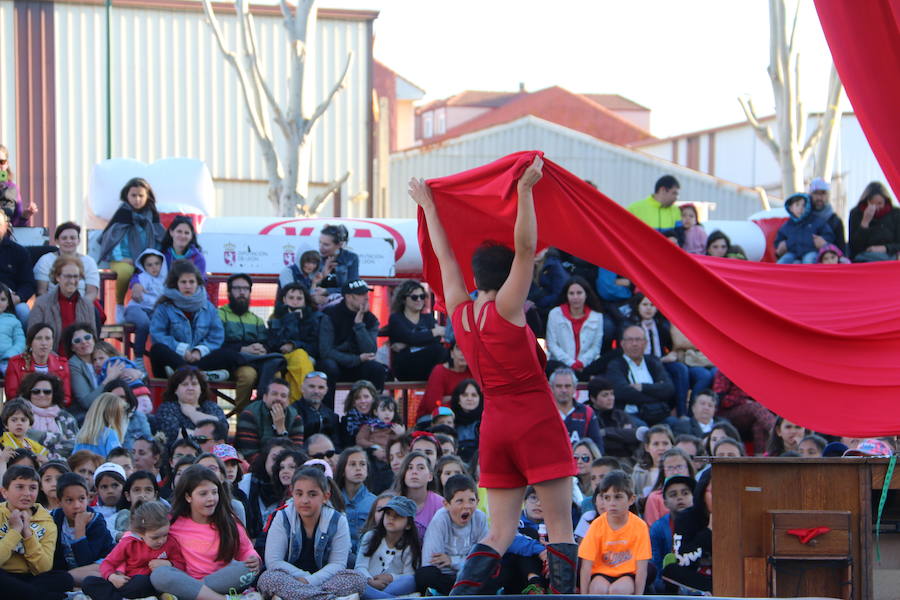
x=512, y=294
x=451, y=277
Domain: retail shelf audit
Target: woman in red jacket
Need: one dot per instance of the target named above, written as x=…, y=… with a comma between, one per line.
x=38, y=356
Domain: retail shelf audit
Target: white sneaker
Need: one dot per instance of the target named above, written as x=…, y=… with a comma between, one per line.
x=217, y=375
x=353, y=596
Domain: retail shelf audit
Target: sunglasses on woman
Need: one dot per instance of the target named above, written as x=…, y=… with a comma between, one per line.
x=326, y=454
x=416, y=296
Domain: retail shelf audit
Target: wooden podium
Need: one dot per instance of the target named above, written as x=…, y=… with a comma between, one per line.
x=757, y=500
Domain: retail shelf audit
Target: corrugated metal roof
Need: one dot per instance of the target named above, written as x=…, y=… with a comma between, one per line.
x=622, y=174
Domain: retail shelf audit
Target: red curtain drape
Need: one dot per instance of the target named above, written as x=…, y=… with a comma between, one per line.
x=864, y=38
x=818, y=344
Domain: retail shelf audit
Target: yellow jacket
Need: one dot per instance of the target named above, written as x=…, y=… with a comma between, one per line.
x=34, y=555
x=654, y=214
x=8, y=441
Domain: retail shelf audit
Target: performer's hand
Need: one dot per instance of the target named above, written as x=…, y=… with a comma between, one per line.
x=532, y=174
x=420, y=193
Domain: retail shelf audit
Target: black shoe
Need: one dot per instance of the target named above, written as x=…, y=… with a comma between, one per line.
x=562, y=559
x=479, y=575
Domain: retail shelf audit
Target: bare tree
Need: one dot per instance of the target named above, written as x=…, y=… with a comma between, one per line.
x=287, y=169
x=790, y=144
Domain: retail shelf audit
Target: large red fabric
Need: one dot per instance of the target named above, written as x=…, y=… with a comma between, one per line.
x=817, y=344
x=864, y=38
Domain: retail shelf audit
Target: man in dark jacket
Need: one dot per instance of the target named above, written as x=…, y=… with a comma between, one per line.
x=348, y=339
x=642, y=385
x=580, y=420
x=619, y=429
x=15, y=270
x=819, y=189
x=317, y=418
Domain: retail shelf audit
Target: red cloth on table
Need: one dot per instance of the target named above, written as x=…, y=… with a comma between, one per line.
x=864, y=38
x=817, y=344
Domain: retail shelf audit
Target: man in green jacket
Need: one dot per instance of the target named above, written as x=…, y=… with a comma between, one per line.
x=272, y=416
x=658, y=210
x=246, y=334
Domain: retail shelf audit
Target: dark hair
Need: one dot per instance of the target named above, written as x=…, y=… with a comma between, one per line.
x=875, y=188
x=705, y=392
x=438, y=451
x=14, y=406
x=176, y=270
x=774, y=447
x=32, y=379
x=591, y=300
x=33, y=330
x=607, y=461
x=179, y=376
x=731, y=441
x=168, y=241
x=220, y=428
x=181, y=443
x=665, y=182
x=399, y=486
x=358, y=386
x=635, y=317
x=691, y=208
x=646, y=461
x=459, y=483
x=340, y=477
x=69, y=334
x=816, y=439
x=299, y=457
x=491, y=264
x=155, y=447
x=729, y=429
x=223, y=518
x=278, y=381
x=458, y=391
x=183, y=462
x=409, y=539
x=690, y=439
x=25, y=454
x=617, y=480
x=134, y=477
x=661, y=478
x=66, y=225
x=597, y=384
x=310, y=256
x=402, y=291
x=385, y=400
x=130, y=398
x=232, y=278
x=117, y=452
x=20, y=472
x=439, y=466
x=10, y=306
x=59, y=465
x=151, y=197
x=68, y=480
x=258, y=468
x=294, y=285
x=716, y=236
x=338, y=233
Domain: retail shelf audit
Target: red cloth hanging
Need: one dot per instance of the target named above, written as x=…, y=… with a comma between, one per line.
x=864, y=38
x=817, y=344
x=807, y=535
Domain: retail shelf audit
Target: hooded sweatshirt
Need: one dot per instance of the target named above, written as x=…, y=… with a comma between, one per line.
x=34, y=555
x=153, y=286
x=798, y=232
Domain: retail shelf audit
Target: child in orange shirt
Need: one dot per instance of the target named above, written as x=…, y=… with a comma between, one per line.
x=616, y=549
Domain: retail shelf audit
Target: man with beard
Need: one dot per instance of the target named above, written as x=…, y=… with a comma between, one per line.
x=245, y=334
x=348, y=339
x=819, y=189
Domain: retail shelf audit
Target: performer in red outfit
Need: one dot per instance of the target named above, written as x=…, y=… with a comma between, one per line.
x=523, y=439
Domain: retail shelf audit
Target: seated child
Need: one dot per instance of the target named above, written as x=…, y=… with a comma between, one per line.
x=390, y=553
x=795, y=240
x=450, y=535
x=524, y=560
x=50, y=473
x=125, y=573
x=381, y=430
x=141, y=486
x=694, y=236
x=28, y=541
x=829, y=254
x=85, y=462
x=12, y=337
x=109, y=479
x=678, y=494
x=17, y=419
x=147, y=285
x=599, y=468
x=615, y=552
x=105, y=355
x=82, y=540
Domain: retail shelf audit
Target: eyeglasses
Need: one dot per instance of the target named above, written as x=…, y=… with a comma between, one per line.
x=416, y=296
x=201, y=439
x=43, y=391
x=312, y=374
x=583, y=457
x=85, y=338
x=326, y=454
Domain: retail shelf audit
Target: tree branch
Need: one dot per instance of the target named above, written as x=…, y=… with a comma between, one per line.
x=253, y=58
x=323, y=106
x=315, y=206
x=763, y=131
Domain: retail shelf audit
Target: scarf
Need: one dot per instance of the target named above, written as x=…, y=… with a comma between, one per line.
x=45, y=419
x=374, y=423
x=190, y=304
x=140, y=229
x=355, y=420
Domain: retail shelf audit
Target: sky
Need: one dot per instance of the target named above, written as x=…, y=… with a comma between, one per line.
x=686, y=60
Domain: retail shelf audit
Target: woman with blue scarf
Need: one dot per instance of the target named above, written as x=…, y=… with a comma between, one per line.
x=186, y=328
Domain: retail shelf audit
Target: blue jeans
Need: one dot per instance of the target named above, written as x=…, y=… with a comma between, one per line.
x=140, y=318
x=400, y=586
x=701, y=378
x=789, y=258
x=678, y=371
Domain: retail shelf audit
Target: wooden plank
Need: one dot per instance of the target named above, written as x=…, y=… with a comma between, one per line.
x=864, y=554
x=756, y=583
x=728, y=553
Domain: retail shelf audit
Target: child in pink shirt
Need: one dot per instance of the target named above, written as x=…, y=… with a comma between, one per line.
x=216, y=549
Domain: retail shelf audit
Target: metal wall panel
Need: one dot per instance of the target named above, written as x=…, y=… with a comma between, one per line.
x=173, y=94
x=8, y=80
x=622, y=174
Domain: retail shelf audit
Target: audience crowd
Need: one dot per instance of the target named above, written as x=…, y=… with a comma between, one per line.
x=311, y=498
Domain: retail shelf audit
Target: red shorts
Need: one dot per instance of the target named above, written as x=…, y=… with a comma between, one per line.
x=519, y=448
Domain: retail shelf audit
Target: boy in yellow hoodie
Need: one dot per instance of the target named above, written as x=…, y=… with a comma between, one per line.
x=28, y=541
